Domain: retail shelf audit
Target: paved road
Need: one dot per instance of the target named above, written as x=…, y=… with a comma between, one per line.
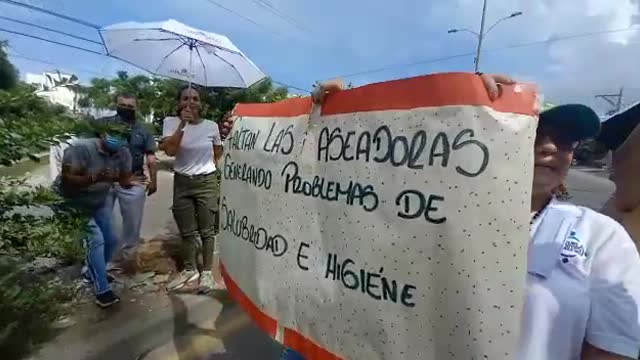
x=590, y=188
x=155, y=326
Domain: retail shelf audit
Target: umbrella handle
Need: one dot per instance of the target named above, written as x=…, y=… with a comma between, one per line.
x=190, y=69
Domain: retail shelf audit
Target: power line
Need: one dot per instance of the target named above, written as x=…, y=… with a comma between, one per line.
x=563, y=38
x=49, y=29
x=85, y=23
x=289, y=86
x=42, y=61
x=98, y=53
x=51, y=63
x=50, y=41
x=95, y=26
x=419, y=62
x=275, y=11
x=52, y=13
x=533, y=43
x=217, y=4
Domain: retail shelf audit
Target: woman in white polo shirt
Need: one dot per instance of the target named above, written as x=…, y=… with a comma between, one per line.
x=583, y=282
x=196, y=145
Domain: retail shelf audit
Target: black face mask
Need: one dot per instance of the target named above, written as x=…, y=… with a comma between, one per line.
x=126, y=114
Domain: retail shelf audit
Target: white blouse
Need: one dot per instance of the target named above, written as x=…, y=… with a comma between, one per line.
x=195, y=156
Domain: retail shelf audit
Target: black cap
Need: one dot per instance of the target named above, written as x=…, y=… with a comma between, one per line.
x=617, y=128
x=578, y=121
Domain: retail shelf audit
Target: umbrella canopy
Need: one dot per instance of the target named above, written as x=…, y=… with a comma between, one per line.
x=172, y=49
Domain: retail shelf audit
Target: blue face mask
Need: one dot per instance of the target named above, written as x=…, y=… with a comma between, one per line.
x=114, y=143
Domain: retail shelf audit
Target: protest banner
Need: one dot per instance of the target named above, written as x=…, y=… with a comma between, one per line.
x=392, y=223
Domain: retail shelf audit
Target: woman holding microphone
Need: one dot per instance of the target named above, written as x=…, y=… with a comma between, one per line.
x=196, y=145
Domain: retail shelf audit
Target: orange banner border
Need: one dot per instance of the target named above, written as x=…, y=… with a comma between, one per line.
x=285, y=108
x=292, y=339
x=452, y=89
x=446, y=89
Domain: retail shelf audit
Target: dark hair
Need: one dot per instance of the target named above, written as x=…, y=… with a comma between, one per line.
x=185, y=87
x=125, y=95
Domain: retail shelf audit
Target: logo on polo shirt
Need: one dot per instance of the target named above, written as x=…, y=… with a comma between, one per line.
x=572, y=247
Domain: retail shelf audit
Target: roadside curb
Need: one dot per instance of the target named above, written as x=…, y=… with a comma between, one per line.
x=40, y=157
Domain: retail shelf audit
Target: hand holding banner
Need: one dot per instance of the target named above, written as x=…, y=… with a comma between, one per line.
x=390, y=225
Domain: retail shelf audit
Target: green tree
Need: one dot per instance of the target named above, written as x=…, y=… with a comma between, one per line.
x=140, y=85
x=32, y=222
x=98, y=94
x=8, y=72
x=220, y=101
x=29, y=125
x=166, y=94
x=157, y=96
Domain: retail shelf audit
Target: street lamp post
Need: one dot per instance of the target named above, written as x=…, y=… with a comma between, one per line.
x=483, y=33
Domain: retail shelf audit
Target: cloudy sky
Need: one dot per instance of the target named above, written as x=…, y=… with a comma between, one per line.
x=574, y=49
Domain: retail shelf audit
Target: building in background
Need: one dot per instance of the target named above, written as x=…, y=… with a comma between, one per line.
x=57, y=87
x=62, y=89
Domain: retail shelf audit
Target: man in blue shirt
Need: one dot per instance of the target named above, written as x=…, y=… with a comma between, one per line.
x=142, y=146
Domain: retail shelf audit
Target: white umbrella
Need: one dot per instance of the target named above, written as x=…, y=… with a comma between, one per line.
x=174, y=50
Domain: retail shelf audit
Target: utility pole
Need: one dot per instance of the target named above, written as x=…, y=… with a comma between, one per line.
x=617, y=103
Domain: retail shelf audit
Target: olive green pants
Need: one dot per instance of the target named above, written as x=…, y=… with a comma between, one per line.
x=195, y=210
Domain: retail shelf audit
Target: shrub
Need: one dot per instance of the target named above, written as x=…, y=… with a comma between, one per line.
x=28, y=305
x=33, y=223
x=29, y=125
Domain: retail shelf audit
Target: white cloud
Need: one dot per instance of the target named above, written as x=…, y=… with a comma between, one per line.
x=568, y=70
x=579, y=69
x=356, y=35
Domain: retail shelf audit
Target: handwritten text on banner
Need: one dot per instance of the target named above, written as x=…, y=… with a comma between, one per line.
x=391, y=226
